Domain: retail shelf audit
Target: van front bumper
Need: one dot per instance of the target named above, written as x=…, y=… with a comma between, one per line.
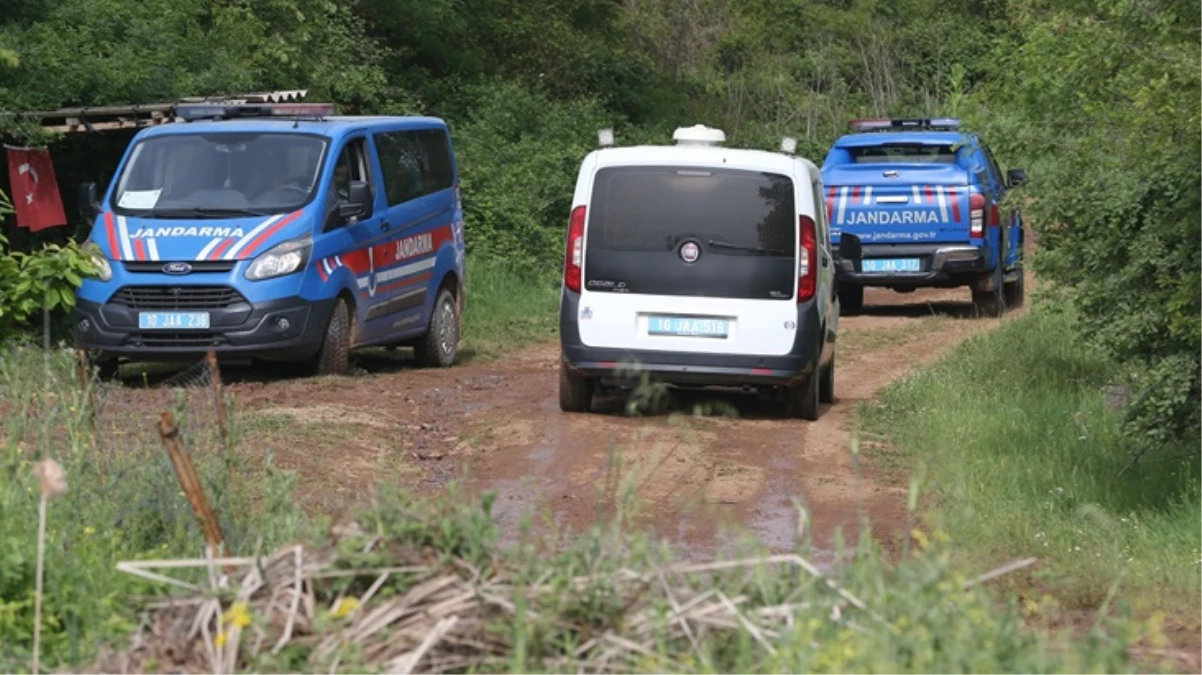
x=287, y=329
x=939, y=264
x=692, y=368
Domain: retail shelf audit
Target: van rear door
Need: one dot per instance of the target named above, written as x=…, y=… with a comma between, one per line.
x=898, y=193
x=690, y=259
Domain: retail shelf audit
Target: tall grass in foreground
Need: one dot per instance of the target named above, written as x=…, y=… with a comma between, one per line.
x=121, y=503
x=507, y=307
x=1013, y=434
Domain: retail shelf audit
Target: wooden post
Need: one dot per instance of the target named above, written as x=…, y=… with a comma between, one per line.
x=190, y=482
x=219, y=400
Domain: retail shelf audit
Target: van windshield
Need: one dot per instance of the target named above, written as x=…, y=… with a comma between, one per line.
x=654, y=208
x=903, y=153
x=218, y=175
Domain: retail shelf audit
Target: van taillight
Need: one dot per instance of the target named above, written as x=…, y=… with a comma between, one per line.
x=976, y=215
x=807, y=259
x=573, y=259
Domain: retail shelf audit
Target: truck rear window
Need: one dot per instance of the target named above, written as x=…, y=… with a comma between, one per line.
x=905, y=153
x=652, y=208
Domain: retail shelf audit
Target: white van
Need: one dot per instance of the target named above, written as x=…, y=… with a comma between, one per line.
x=698, y=265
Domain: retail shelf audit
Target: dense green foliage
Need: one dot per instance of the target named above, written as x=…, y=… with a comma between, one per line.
x=1101, y=100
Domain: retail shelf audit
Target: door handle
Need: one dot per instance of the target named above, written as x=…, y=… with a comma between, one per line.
x=385, y=225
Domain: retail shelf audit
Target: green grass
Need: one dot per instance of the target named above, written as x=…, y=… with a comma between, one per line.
x=507, y=308
x=1013, y=437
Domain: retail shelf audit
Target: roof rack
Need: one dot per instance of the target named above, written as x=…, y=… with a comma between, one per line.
x=905, y=124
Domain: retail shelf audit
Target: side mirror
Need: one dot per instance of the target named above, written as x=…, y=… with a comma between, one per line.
x=1016, y=177
x=850, y=247
x=89, y=203
x=358, y=203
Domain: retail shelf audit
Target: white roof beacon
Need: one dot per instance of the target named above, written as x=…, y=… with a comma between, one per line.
x=605, y=137
x=700, y=135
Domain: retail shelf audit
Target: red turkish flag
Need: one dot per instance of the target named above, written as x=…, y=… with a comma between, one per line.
x=34, y=189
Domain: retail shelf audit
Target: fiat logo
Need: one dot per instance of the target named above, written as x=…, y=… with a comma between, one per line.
x=690, y=252
x=177, y=268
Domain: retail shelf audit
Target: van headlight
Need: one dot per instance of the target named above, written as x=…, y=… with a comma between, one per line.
x=104, y=271
x=286, y=258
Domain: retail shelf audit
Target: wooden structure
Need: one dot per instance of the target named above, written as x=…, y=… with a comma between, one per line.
x=107, y=118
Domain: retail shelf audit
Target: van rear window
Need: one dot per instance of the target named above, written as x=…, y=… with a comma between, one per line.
x=905, y=153
x=652, y=208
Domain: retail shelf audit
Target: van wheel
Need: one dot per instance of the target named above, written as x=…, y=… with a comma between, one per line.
x=851, y=298
x=1015, y=291
x=334, y=358
x=991, y=303
x=575, y=392
x=439, y=347
x=826, y=385
x=802, y=401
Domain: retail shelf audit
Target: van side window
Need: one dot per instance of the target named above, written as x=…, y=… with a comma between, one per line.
x=415, y=163
x=820, y=214
x=351, y=166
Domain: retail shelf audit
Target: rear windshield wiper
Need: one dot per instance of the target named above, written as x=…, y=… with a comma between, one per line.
x=200, y=212
x=748, y=249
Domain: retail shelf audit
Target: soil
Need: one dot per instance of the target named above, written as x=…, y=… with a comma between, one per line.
x=699, y=481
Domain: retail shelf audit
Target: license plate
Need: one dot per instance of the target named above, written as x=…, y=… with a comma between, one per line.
x=173, y=320
x=688, y=326
x=892, y=265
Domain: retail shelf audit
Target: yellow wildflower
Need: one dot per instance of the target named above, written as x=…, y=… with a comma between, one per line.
x=344, y=607
x=221, y=638
x=238, y=615
x=920, y=538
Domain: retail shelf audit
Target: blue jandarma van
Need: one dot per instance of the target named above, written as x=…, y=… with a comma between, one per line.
x=277, y=232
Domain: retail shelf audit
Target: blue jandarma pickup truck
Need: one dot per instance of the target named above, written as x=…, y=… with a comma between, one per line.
x=924, y=198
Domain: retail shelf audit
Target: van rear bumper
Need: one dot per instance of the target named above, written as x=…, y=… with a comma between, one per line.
x=940, y=264
x=691, y=367
x=243, y=330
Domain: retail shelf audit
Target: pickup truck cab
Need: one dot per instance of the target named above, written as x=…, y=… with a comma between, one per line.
x=698, y=265
x=276, y=233
x=925, y=201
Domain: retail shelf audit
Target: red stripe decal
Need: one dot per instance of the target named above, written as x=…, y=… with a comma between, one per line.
x=321, y=271
x=221, y=248
x=139, y=250
x=955, y=199
x=830, y=204
x=855, y=194
x=266, y=234
x=112, y=230
x=930, y=194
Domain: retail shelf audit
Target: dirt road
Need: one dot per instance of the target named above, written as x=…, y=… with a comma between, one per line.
x=497, y=426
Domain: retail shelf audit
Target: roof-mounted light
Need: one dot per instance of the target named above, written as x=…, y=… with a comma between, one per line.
x=788, y=145
x=605, y=138
x=215, y=111
x=698, y=134
x=904, y=123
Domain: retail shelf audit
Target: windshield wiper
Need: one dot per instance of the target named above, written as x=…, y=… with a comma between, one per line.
x=201, y=212
x=748, y=249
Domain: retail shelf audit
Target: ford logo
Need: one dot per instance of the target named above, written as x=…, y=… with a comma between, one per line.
x=177, y=268
x=690, y=252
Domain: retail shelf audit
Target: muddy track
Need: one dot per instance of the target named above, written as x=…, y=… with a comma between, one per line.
x=697, y=480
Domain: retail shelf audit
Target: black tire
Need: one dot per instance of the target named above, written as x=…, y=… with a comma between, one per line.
x=104, y=367
x=575, y=392
x=991, y=303
x=439, y=347
x=1015, y=291
x=851, y=298
x=802, y=401
x=826, y=385
x=334, y=357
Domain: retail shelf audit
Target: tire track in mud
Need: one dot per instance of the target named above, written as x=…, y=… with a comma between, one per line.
x=702, y=481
